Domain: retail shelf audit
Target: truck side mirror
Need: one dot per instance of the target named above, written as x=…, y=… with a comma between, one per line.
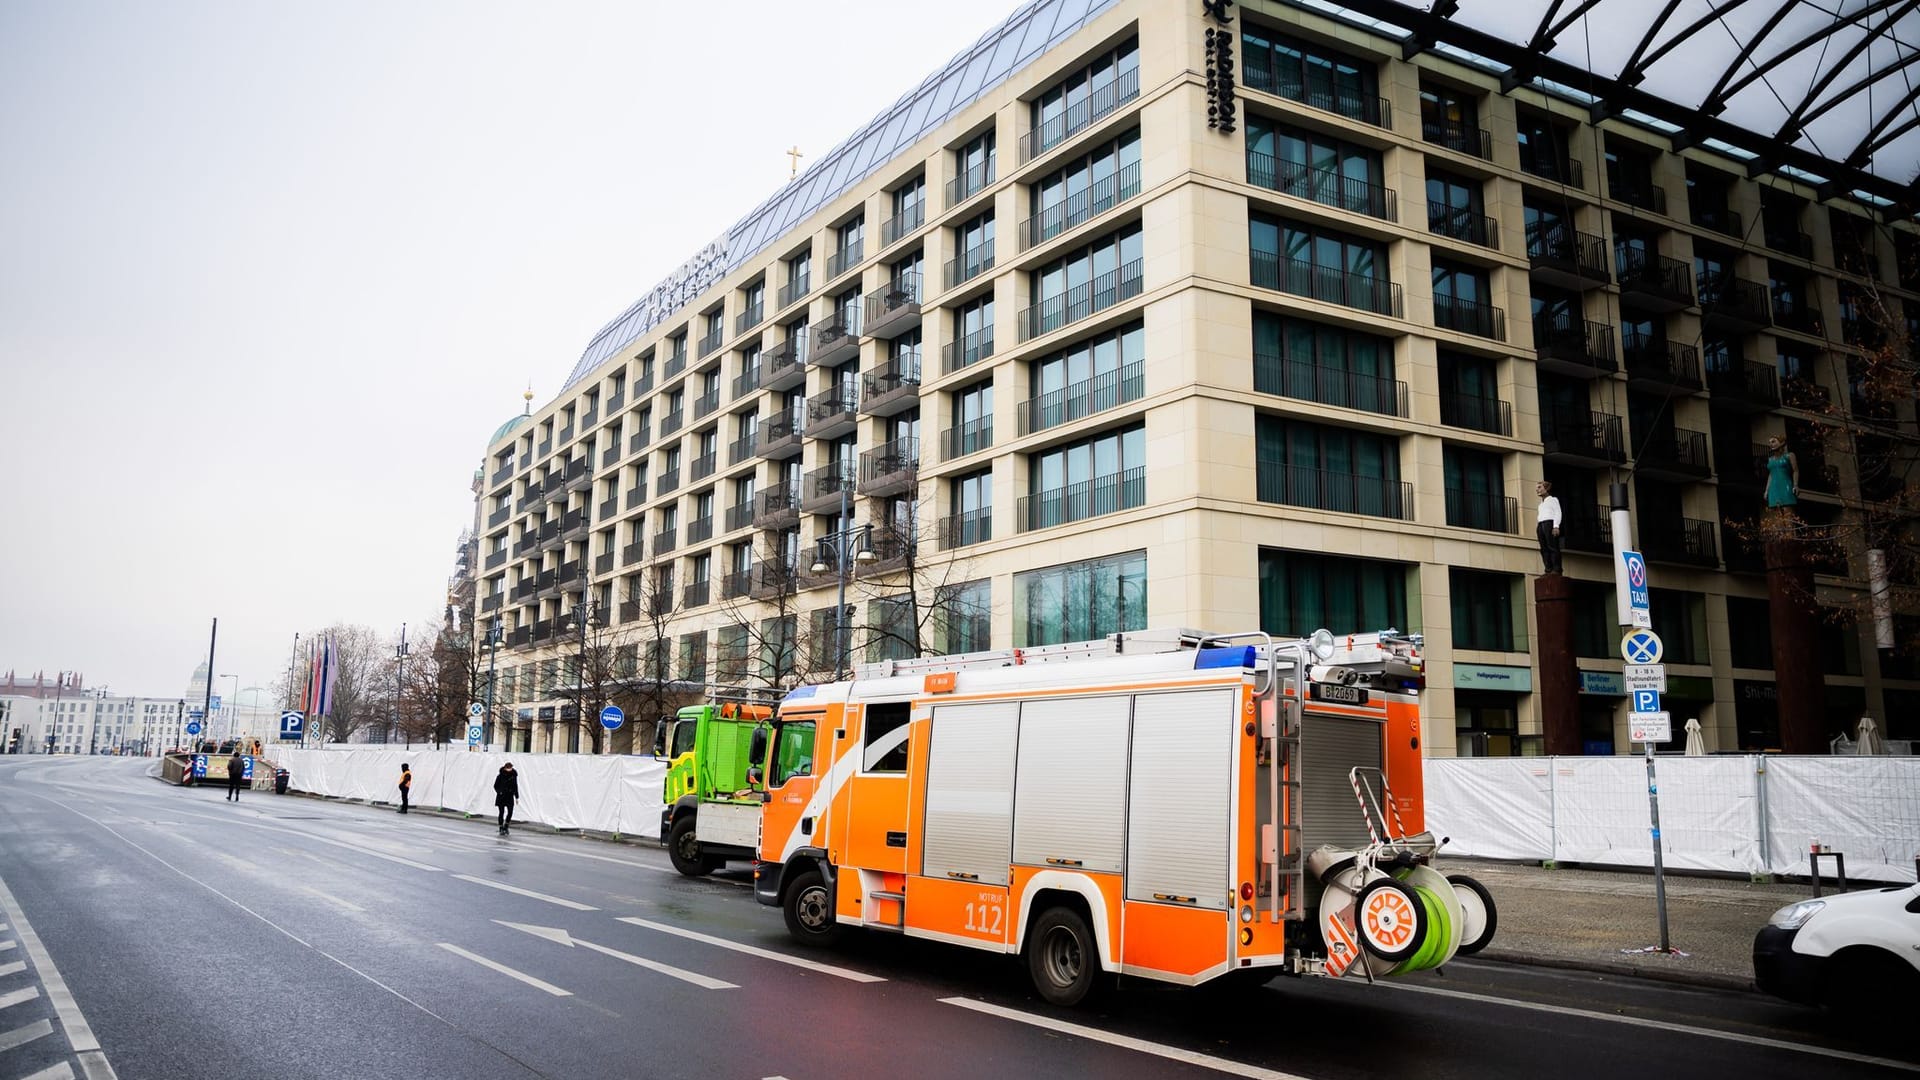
x=660, y=732
x=757, y=747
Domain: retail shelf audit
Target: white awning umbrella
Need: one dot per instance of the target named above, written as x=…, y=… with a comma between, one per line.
x=1868, y=740
x=1696, y=747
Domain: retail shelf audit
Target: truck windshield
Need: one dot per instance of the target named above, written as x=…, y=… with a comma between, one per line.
x=792, y=752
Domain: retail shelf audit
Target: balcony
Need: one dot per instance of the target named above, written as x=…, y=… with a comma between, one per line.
x=629, y=610
x=1469, y=317
x=710, y=341
x=550, y=534
x=579, y=474
x=520, y=637
x=1328, y=187
x=566, y=436
x=736, y=585
x=1745, y=386
x=1080, y=115
x=1457, y=137
x=770, y=580
x=1103, y=195
x=889, y=468
x=638, y=441
x=501, y=475
x=1080, y=302
x=784, y=366
x=704, y=466
x=1260, y=75
x=970, y=437
x=544, y=630
x=1741, y=469
x=833, y=413
x=1687, y=541
x=747, y=381
x=891, y=550
x=846, y=258
x=1590, y=531
x=643, y=385
x=971, y=182
x=780, y=435
x=1308, y=381
x=836, y=337
x=1586, y=439
x=1653, y=281
x=1718, y=218
x=1087, y=499
x=669, y=481
x=1800, y=317
x=779, y=507
x=893, y=387
x=969, y=264
x=1734, y=304
x=676, y=364
x=636, y=495
x=741, y=514
x=491, y=603
x=1107, y=390
x=700, y=530
x=1655, y=364
x=609, y=508
x=1745, y=554
x=896, y=309
x=1553, y=168
x=665, y=540
x=749, y=318
x=1318, y=489
x=1463, y=224
x=1301, y=278
x=632, y=553
x=1678, y=454
x=545, y=448
x=1559, y=255
x=616, y=399
x=695, y=594
x=966, y=351
x=821, y=489
x=1646, y=196
x=911, y=216
x=670, y=422
x=528, y=543
x=1482, y=510
x=972, y=527
x=603, y=563
x=794, y=290
x=497, y=559
x=1569, y=345
x=499, y=516
x=524, y=589
x=547, y=584
x=706, y=403
x=744, y=447
x=1788, y=240
x=611, y=455
x=1475, y=413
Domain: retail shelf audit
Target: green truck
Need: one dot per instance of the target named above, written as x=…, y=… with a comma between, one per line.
x=710, y=806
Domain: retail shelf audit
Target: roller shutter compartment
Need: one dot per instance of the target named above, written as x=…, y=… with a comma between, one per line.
x=1177, y=808
x=969, y=830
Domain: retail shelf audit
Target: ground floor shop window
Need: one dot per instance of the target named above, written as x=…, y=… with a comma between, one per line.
x=1080, y=601
x=1487, y=724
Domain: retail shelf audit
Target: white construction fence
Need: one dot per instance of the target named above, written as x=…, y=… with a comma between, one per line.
x=1745, y=815
x=1752, y=814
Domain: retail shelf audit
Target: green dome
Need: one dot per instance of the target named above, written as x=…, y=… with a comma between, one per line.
x=506, y=428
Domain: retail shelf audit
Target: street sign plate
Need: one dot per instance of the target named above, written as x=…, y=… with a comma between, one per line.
x=216, y=703
x=1649, y=727
x=1646, y=677
x=476, y=710
x=1638, y=605
x=196, y=713
x=193, y=727
x=611, y=718
x=475, y=732
x=1642, y=647
x=293, y=724
x=1646, y=701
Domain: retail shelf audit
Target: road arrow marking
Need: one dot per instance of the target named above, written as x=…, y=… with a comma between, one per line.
x=504, y=887
x=507, y=971
x=754, y=950
x=561, y=937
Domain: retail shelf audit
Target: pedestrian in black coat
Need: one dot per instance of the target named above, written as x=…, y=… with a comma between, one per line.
x=236, y=768
x=506, y=790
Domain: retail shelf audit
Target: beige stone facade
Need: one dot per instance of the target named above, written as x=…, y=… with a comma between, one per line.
x=1196, y=510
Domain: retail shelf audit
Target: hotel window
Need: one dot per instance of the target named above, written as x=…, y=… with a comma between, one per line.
x=1475, y=489
x=1311, y=73
x=1312, y=165
x=1454, y=209
x=1094, y=278
x=1087, y=377
x=1099, y=475
x=1332, y=365
x=970, y=510
x=963, y=617
x=1084, y=96
x=1080, y=601
x=1321, y=264
x=1301, y=593
x=974, y=167
x=1328, y=468
x=1483, y=609
x=1093, y=184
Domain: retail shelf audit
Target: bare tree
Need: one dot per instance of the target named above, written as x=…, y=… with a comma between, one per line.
x=435, y=689
x=645, y=685
x=762, y=647
x=362, y=680
x=917, y=602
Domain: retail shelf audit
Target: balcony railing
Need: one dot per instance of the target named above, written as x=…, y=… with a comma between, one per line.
x=499, y=516
x=794, y=289
x=1083, y=206
x=644, y=383
x=1080, y=115
x=695, y=594
x=736, y=585
x=972, y=527
x=749, y=318
x=966, y=438
x=1590, y=530
x=1461, y=223
x=970, y=183
x=1261, y=75
x=966, y=351
x=780, y=435
x=704, y=466
x=609, y=508
x=845, y=259
x=744, y=447
x=1654, y=275
x=671, y=422
x=636, y=495
x=1798, y=316
x=1302, y=278
x=501, y=475
x=705, y=404
x=780, y=506
x=741, y=514
x=889, y=467
x=611, y=454
x=1107, y=390
x=823, y=486
x=669, y=480
x=1648, y=196
x=1789, y=240
x=665, y=540
x=896, y=307
x=785, y=365
x=1308, y=381
x=1469, y=317
x=676, y=364
x=831, y=412
x=638, y=441
x=700, y=530
x=1688, y=541
x=1081, y=301
x=837, y=336
x=911, y=216
x=747, y=381
x=1086, y=499
x=603, y=562
x=1460, y=138
x=1560, y=254
x=1582, y=436
x=1718, y=218
x=1801, y=392
x=1560, y=170
x=1681, y=454
x=1328, y=187
x=1734, y=302
x=969, y=264
x=632, y=553
x=890, y=388
x=1659, y=362
x=1476, y=413
x=1318, y=489
x=497, y=559
x=1482, y=510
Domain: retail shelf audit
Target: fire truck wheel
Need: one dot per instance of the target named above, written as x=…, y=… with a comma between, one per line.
x=1477, y=912
x=683, y=847
x=1391, y=920
x=809, y=910
x=1062, y=957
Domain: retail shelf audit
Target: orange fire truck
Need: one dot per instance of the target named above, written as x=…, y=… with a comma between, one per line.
x=1166, y=805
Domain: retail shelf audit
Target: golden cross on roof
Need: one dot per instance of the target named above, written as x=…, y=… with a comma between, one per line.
x=794, y=154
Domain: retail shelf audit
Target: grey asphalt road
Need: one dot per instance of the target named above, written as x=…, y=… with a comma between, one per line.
x=287, y=937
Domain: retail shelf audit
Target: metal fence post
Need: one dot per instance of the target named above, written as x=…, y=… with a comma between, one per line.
x=1760, y=816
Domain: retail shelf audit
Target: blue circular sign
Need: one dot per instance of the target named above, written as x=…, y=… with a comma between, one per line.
x=193, y=728
x=611, y=718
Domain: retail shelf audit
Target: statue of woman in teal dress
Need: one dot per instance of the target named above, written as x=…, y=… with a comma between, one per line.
x=1783, y=474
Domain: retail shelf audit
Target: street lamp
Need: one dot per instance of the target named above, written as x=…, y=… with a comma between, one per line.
x=400, y=654
x=495, y=633
x=587, y=611
x=99, y=696
x=831, y=552
x=229, y=706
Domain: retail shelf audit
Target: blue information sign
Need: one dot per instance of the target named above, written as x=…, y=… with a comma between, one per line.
x=611, y=718
x=193, y=728
x=293, y=724
x=1646, y=701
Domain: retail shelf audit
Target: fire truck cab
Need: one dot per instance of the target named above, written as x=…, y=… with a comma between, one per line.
x=1166, y=805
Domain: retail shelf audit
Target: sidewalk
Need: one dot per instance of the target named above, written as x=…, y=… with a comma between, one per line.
x=1596, y=920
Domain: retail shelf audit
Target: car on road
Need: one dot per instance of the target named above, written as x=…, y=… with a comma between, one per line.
x=1855, y=950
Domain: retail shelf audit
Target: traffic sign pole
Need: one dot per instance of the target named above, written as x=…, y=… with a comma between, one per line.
x=1659, y=863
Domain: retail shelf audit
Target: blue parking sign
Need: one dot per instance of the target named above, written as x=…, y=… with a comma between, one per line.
x=1646, y=701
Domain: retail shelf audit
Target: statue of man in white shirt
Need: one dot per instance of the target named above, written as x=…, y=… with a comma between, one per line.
x=1547, y=526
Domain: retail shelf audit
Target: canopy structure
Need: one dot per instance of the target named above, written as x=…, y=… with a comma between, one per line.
x=1828, y=89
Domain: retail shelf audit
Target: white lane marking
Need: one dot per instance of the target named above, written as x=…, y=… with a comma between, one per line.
x=1658, y=1025
x=8, y=1001
x=39, y=1029
x=62, y=1071
x=334, y=900
x=505, y=970
x=228, y=819
x=529, y=893
x=1125, y=1042
x=5, y=945
x=755, y=950
x=79, y=1036
x=561, y=937
x=14, y=968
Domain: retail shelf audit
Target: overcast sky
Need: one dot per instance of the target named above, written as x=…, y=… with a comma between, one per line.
x=271, y=273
